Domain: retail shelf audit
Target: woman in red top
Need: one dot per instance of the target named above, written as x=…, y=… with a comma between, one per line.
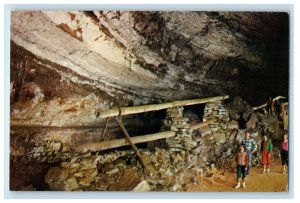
x=266, y=149
x=284, y=152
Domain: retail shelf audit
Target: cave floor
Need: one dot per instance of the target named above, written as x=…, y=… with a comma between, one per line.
x=275, y=181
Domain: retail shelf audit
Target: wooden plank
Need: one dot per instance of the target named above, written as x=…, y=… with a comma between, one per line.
x=123, y=142
x=200, y=125
x=156, y=107
x=265, y=104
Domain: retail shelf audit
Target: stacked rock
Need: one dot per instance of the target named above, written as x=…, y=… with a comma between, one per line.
x=175, y=121
x=218, y=128
x=50, y=151
x=220, y=134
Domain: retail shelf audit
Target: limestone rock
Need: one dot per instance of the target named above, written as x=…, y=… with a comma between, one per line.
x=233, y=125
x=251, y=123
x=143, y=186
x=127, y=182
x=71, y=185
x=220, y=137
x=209, y=137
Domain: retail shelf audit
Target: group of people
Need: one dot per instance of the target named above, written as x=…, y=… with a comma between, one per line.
x=277, y=108
x=246, y=150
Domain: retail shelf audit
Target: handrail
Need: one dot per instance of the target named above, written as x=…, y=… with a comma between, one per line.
x=265, y=104
x=155, y=107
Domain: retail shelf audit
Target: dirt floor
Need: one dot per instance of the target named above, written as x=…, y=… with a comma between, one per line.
x=275, y=181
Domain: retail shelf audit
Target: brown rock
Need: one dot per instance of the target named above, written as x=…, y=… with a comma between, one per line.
x=71, y=184
x=209, y=137
x=220, y=137
x=56, y=174
x=127, y=182
x=86, y=182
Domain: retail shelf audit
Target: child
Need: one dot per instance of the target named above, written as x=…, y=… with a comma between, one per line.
x=242, y=164
x=266, y=149
x=284, y=152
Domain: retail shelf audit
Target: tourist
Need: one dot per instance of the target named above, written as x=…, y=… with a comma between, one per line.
x=284, y=152
x=285, y=116
x=269, y=105
x=265, y=150
x=242, y=164
x=273, y=107
x=278, y=109
x=250, y=148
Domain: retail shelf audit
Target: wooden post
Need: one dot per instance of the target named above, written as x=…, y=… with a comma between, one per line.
x=120, y=122
x=105, y=128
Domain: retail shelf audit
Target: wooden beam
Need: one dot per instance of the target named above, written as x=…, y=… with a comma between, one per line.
x=105, y=128
x=200, y=125
x=123, y=142
x=128, y=138
x=265, y=104
x=156, y=107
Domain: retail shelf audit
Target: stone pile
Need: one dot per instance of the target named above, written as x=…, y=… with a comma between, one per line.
x=175, y=121
x=50, y=151
x=115, y=171
x=217, y=141
x=239, y=109
x=121, y=171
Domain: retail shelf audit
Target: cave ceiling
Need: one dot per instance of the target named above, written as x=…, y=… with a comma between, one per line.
x=148, y=57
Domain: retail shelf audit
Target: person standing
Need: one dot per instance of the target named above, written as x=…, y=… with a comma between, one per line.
x=266, y=149
x=278, y=109
x=285, y=116
x=242, y=164
x=269, y=105
x=284, y=151
x=250, y=148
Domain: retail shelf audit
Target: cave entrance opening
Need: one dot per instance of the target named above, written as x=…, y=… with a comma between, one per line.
x=145, y=123
x=195, y=112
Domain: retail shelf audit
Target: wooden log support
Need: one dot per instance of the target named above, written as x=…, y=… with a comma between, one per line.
x=128, y=138
x=156, y=107
x=111, y=144
x=200, y=125
x=105, y=128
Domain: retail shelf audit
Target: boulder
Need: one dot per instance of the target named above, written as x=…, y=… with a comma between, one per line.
x=233, y=125
x=209, y=137
x=127, y=182
x=220, y=137
x=143, y=186
x=205, y=130
x=251, y=123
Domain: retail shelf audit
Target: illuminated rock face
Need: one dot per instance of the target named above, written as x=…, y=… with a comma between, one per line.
x=153, y=56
